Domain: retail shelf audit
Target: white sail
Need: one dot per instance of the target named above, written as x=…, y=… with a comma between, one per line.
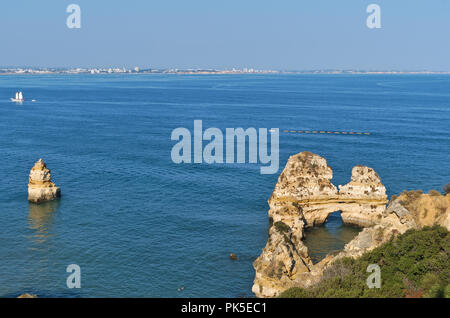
x=17, y=95
x=20, y=96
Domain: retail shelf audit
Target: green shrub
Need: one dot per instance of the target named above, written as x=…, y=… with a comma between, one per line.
x=429, y=280
x=282, y=227
x=436, y=291
x=414, y=264
x=297, y=206
x=447, y=291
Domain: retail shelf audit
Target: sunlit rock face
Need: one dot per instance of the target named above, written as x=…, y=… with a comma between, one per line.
x=304, y=196
x=304, y=187
x=306, y=178
x=283, y=261
x=364, y=197
x=40, y=186
x=415, y=209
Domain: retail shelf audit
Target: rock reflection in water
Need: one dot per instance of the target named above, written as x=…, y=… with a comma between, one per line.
x=40, y=220
x=329, y=237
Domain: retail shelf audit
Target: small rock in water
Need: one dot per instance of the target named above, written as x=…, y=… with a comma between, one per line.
x=233, y=256
x=26, y=295
x=40, y=186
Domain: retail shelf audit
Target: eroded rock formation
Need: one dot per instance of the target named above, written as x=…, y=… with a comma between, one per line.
x=304, y=196
x=364, y=197
x=415, y=209
x=26, y=295
x=40, y=185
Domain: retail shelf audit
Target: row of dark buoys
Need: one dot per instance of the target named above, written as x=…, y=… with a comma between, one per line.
x=326, y=132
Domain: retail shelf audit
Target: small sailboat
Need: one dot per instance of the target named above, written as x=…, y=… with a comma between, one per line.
x=18, y=98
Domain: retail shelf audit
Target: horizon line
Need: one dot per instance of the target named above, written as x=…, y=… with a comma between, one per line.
x=229, y=69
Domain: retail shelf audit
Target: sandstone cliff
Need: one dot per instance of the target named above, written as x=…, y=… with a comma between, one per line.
x=417, y=209
x=40, y=186
x=304, y=196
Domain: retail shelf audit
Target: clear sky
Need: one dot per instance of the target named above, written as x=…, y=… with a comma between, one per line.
x=267, y=34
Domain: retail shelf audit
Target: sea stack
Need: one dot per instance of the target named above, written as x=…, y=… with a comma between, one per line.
x=40, y=185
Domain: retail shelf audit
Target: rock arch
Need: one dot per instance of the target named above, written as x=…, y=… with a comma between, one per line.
x=304, y=196
x=306, y=184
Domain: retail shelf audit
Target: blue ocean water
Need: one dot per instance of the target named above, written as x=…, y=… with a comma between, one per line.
x=329, y=237
x=139, y=225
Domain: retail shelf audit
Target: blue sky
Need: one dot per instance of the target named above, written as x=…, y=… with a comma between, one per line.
x=276, y=34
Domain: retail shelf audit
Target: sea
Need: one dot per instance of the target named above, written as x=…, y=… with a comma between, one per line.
x=139, y=225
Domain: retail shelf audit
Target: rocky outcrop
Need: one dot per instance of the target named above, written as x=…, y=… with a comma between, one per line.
x=303, y=192
x=415, y=209
x=364, y=197
x=40, y=186
x=304, y=196
x=27, y=296
x=283, y=261
x=411, y=210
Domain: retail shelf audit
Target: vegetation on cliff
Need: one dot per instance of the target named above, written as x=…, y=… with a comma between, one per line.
x=282, y=227
x=446, y=188
x=415, y=264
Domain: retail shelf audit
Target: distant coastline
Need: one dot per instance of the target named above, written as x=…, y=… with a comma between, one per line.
x=137, y=70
